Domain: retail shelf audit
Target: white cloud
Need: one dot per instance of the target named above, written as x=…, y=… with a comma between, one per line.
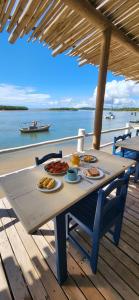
x=29, y=96
x=121, y=93
x=17, y=95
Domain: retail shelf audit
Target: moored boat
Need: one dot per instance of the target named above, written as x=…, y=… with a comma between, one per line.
x=134, y=121
x=110, y=116
x=35, y=128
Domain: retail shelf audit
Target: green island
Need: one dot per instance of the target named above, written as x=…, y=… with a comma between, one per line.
x=124, y=109
x=11, y=107
x=134, y=109
x=63, y=108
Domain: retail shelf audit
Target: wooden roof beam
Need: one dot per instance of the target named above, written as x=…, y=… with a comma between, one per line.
x=86, y=10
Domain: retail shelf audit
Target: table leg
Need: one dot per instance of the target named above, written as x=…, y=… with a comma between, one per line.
x=60, y=241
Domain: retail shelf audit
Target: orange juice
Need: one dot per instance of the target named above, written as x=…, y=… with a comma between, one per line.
x=75, y=159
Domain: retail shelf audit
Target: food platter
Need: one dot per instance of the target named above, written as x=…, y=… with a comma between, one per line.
x=97, y=176
x=56, y=168
x=57, y=186
x=87, y=158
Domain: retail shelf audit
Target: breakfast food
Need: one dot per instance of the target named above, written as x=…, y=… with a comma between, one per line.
x=57, y=167
x=92, y=172
x=47, y=183
x=89, y=158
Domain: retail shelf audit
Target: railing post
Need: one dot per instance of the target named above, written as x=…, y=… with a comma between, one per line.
x=80, y=142
x=128, y=129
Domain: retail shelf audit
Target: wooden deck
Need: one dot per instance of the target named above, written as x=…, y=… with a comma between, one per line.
x=27, y=263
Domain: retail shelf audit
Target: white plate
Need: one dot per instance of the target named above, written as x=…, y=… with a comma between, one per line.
x=101, y=174
x=72, y=181
x=57, y=186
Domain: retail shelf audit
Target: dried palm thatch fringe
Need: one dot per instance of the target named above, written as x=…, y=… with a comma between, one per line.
x=77, y=26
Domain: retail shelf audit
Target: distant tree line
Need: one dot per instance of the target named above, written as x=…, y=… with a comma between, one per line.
x=93, y=108
x=11, y=107
x=63, y=108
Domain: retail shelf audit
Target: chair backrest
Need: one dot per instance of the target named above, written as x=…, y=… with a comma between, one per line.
x=108, y=209
x=48, y=156
x=120, y=138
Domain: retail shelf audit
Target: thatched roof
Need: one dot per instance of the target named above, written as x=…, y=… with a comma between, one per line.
x=77, y=26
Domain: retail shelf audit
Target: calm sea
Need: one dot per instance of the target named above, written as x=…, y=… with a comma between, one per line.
x=63, y=124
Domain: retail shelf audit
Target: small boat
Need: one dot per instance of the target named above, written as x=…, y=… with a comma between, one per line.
x=134, y=121
x=35, y=128
x=109, y=116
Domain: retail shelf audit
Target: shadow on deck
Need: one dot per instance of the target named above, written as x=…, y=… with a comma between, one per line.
x=27, y=263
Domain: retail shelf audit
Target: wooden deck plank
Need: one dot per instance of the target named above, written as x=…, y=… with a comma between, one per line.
x=132, y=212
x=72, y=291
x=27, y=264
x=131, y=225
x=71, y=266
x=121, y=270
x=132, y=233
x=40, y=251
x=12, y=269
x=111, y=275
x=131, y=218
x=86, y=286
x=4, y=289
x=32, y=279
x=121, y=256
x=127, y=249
x=47, y=277
x=97, y=280
x=130, y=241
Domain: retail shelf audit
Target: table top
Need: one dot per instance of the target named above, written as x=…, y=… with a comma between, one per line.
x=130, y=143
x=35, y=208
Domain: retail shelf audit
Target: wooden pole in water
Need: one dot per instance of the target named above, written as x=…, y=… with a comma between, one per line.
x=104, y=57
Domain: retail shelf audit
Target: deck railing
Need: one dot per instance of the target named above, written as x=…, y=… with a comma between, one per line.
x=82, y=135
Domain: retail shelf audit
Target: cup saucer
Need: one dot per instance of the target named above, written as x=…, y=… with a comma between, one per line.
x=72, y=181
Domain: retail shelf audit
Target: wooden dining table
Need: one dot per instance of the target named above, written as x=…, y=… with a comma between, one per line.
x=129, y=144
x=34, y=208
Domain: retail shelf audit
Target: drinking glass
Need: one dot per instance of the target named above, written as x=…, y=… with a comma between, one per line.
x=75, y=160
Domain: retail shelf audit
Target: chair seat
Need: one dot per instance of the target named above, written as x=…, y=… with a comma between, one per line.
x=85, y=210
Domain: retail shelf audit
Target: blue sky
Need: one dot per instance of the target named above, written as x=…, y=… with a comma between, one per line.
x=30, y=76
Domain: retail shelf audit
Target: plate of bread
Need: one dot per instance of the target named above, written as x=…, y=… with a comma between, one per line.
x=88, y=158
x=93, y=173
x=48, y=184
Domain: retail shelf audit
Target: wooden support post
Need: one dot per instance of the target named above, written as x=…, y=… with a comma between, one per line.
x=104, y=57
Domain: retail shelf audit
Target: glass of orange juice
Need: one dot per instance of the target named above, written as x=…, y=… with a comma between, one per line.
x=75, y=160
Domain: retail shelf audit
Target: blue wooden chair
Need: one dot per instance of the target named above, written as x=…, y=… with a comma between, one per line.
x=120, y=152
x=137, y=132
x=47, y=156
x=97, y=214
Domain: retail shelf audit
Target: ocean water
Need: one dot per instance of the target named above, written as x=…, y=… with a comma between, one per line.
x=64, y=123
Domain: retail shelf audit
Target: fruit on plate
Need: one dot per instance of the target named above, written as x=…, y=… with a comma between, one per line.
x=57, y=167
x=92, y=172
x=88, y=158
x=47, y=183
